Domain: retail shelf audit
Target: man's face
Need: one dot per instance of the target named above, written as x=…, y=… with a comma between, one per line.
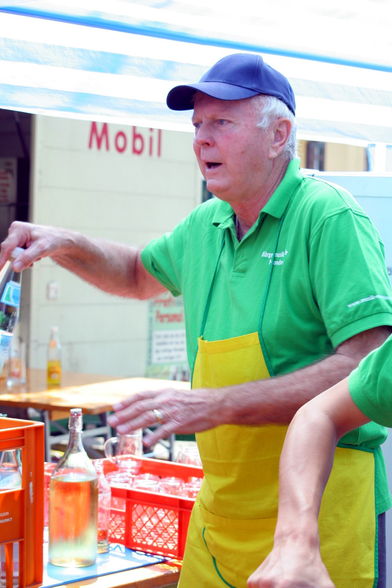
x=232, y=152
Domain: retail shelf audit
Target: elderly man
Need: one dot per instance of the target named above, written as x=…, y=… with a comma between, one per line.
x=285, y=290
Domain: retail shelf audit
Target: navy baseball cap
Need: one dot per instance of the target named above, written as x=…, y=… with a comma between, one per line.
x=234, y=77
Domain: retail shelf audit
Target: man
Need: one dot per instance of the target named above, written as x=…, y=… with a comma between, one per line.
x=305, y=465
x=285, y=291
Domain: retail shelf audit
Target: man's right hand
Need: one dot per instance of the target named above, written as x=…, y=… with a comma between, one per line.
x=37, y=241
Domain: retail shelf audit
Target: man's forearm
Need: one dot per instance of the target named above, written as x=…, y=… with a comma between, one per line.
x=307, y=458
x=112, y=267
x=305, y=465
x=108, y=266
x=277, y=399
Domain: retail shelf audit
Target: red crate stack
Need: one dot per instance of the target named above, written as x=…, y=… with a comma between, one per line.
x=149, y=521
x=21, y=510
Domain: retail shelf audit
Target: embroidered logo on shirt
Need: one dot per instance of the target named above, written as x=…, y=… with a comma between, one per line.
x=369, y=299
x=275, y=257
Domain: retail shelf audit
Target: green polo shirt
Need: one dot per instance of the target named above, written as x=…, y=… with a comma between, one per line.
x=308, y=275
x=370, y=384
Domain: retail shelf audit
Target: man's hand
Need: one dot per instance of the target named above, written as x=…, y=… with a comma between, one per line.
x=292, y=566
x=173, y=410
x=38, y=241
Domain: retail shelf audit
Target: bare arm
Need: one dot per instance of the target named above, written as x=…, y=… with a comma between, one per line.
x=282, y=396
x=305, y=466
x=112, y=267
x=306, y=459
x=274, y=400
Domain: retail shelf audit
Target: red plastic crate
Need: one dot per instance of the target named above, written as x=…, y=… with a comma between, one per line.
x=21, y=510
x=151, y=522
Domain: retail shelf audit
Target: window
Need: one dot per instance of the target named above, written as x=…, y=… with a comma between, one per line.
x=315, y=155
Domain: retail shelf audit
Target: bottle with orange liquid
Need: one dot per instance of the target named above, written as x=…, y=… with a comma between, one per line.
x=54, y=359
x=73, y=503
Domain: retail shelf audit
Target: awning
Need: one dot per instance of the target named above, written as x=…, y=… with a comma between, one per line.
x=59, y=59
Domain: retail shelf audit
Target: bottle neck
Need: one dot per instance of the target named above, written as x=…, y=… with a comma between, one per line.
x=75, y=425
x=76, y=457
x=75, y=442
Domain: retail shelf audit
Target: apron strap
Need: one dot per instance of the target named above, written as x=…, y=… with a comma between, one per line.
x=208, y=303
x=265, y=298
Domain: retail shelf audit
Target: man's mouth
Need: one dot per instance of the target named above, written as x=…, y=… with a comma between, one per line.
x=212, y=164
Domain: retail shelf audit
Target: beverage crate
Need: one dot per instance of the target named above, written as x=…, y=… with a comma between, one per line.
x=21, y=510
x=149, y=521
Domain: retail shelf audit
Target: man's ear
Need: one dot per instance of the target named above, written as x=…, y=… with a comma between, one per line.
x=281, y=129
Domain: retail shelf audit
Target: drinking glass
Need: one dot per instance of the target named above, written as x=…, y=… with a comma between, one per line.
x=127, y=444
x=120, y=450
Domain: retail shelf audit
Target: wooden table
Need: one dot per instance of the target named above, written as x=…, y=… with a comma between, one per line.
x=96, y=395
x=154, y=576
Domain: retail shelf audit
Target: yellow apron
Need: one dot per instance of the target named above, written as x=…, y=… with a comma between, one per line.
x=233, y=521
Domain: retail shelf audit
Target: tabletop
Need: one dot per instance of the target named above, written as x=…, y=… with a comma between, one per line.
x=95, y=394
x=154, y=576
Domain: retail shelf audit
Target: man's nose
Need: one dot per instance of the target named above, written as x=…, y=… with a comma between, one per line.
x=203, y=136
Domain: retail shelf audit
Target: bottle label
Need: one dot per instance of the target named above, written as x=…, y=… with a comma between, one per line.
x=11, y=294
x=54, y=373
x=5, y=342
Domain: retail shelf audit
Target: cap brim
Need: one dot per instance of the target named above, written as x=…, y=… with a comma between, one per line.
x=182, y=97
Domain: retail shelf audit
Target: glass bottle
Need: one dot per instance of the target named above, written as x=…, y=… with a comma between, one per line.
x=10, y=479
x=16, y=365
x=10, y=470
x=73, y=503
x=54, y=359
x=10, y=282
x=104, y=504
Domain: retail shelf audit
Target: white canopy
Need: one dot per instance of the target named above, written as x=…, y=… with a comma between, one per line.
x=116, y=61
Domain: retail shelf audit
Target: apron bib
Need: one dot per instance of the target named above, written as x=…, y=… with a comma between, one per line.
x=233, y=520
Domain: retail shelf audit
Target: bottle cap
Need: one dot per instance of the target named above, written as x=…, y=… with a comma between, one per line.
x=75, y=419
x=16, y=252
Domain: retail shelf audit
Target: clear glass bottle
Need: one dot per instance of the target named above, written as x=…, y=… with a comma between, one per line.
x=16, y=365
x=10, y=479
x=10, y=470
x=73, y=503
x=10, y=284
x=54, y=359
x=104, y=505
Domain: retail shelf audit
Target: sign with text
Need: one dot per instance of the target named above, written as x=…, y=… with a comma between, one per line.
x=167, y=342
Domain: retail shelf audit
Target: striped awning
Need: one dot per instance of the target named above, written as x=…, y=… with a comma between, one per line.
x=59, y=59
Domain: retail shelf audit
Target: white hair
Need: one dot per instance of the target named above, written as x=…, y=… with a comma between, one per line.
x=270, y=109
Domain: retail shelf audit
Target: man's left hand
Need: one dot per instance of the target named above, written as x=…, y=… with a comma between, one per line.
x=168, y=410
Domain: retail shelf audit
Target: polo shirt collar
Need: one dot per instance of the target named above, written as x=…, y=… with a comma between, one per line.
x=277, y=203
x=279, y=199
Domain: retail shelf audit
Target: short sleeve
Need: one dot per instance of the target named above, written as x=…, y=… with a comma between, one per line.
x=370, y=384
x=349, y=275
